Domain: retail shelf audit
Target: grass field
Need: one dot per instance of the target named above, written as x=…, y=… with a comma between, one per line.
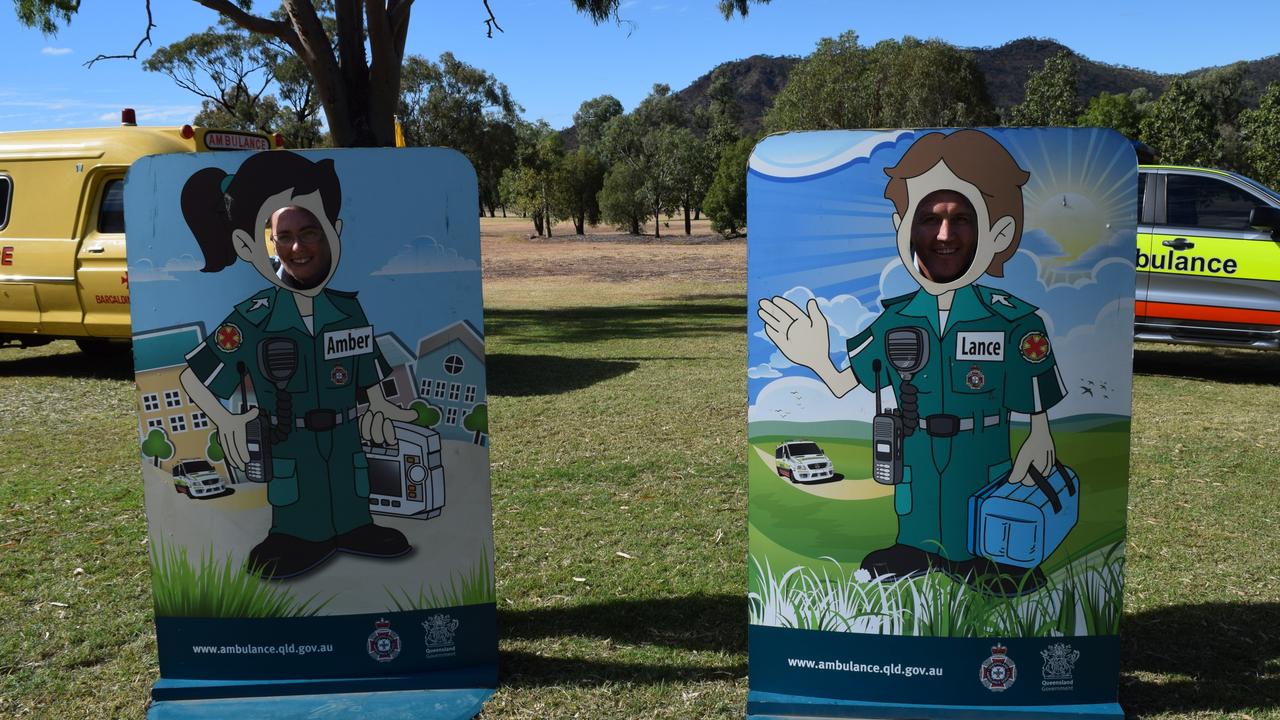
x=619, y=475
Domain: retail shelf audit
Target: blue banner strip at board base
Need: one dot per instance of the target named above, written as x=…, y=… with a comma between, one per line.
x=776, y=706
x=453, y=704
x=168, y=689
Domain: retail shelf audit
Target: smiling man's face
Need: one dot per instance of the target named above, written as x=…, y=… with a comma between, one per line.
x=301, y=245
x=944, y=235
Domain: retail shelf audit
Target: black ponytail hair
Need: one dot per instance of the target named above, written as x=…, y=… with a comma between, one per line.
x=216, y=204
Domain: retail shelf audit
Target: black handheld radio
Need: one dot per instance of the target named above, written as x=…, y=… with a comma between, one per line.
x=908, y=351
x=278, y=361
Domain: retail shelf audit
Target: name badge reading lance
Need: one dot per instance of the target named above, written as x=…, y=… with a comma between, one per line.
x=988, y=346
x=348, y=342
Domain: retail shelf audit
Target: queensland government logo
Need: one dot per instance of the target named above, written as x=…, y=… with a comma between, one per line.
x=998, y=671
x=440, y=629
x=1059, y=667
x=384, y=643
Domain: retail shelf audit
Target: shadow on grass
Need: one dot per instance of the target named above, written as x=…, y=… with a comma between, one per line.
x=531, y=670
x=702, y=623
x=112, y=365
x=530, y=375
x=1215, y=658
x=596, y=324
x=1225, y=365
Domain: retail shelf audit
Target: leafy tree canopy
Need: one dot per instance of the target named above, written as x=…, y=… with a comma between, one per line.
x=912, y=83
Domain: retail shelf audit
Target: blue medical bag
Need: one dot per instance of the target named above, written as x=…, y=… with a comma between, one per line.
x=1020, y=525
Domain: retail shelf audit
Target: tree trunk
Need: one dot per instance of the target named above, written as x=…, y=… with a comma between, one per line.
x=579, y=222
x=688, y=226
x=635, y=226
x=537, y=223
x=547, y=212
x=657, y=222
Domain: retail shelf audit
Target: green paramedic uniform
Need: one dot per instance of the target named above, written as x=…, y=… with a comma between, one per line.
x=319, y=486
x=992, y=358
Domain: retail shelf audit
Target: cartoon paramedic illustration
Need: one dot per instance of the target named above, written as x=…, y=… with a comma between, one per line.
x=304, y=349
x=959, y=356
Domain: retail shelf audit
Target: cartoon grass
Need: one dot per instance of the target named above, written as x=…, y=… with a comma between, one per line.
x=1083, y=598
x=219, y=589
x=469, y=588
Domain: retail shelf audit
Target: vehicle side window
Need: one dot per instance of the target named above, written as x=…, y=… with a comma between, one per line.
x=1195, y=201
x=111, y=210
x=777, y=454
x=6, y=192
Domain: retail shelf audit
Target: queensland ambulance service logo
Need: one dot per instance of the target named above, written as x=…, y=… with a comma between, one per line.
x=998, y=671
x=1034, y=346
x=439, y=639
x=228, y=337
x=339, y=376
x=975, y=379
x=384, y=643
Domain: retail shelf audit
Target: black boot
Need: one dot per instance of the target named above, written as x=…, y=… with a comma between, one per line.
x=993, y=578
x=282, y=556
x=373, y=541
x=902, y=561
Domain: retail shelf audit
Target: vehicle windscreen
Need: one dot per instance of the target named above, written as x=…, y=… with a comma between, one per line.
x=805, y=449
x=195, y=466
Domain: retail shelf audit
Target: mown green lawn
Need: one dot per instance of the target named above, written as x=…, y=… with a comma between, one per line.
x=619, y=476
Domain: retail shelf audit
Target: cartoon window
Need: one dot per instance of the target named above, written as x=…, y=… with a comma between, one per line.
x=111, y=209
x=451, y=416
x=199, y=421
x=1195, y=201
x=6, y=192
x=455, y=391
x=151, y=402
x=779, y=452
x=389, y=388
x=470, y=395
x=441, y=386
x=178, y=423
x=424, y=387
x=454, y=364
x=172, y=398
x=155, y=424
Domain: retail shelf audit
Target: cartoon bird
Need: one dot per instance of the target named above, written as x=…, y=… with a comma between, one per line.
x=1086, y=390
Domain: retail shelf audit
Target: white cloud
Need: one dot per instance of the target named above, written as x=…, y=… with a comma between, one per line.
x=55, y=51
x=144, y=270
x=425, y=255
x=762, y=370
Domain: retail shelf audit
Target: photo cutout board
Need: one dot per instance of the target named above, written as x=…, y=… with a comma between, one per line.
x=309, y=352
x=940, y=334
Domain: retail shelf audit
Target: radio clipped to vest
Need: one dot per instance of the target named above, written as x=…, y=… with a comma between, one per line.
x=907, y=350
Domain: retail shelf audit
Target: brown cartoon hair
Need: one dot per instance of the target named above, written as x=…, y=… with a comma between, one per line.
x=215, y=203
x=976, y=158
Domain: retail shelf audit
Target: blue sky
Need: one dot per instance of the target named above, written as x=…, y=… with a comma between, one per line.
x=553, y=59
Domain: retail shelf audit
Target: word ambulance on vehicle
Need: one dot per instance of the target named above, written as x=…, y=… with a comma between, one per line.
x=62, y=235
x=1208, y=258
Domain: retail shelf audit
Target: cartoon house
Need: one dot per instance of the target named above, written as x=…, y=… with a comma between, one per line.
x=399, y=386
x=160, y=357
x=451, y=376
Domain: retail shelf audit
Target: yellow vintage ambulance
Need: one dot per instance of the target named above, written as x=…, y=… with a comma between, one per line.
x=62, y=235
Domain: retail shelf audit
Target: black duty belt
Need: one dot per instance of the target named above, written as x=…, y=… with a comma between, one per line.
x=321, y=419
x=944, y=425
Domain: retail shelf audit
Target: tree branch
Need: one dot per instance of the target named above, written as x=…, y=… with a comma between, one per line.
x=146, y=38
x=492, y=22
x=252, y=23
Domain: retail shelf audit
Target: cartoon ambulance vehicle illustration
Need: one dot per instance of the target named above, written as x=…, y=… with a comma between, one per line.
x=197, y=479
x=802, y=461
